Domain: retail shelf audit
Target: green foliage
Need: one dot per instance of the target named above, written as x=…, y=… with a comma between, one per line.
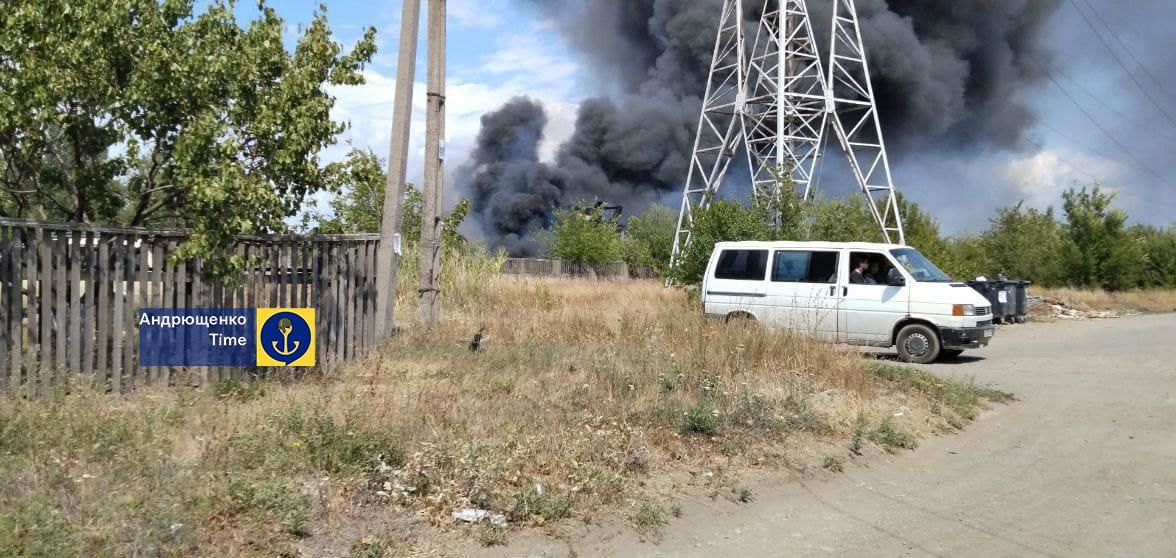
x=584, y=236
x=922, y=231
x=700, y=420
x=650, y=239
x=314, y=441
x=965, y=258
x=270, y=500
x=359, y=208
x=847, y=220
x=1159, y=246
x=650, y=520
x=1100, y=251
x=1024, y=243
x=1093, y=248
x=834, y=464
x=539, y=505
x=169, y=117
x=892, y=438
x=721, y=221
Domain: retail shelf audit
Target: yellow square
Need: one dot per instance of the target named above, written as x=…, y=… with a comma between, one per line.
x=285, y=337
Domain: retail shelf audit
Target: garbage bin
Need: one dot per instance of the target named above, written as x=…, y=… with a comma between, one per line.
x=1006, y=293
x=997, y=297
x=1022, y=300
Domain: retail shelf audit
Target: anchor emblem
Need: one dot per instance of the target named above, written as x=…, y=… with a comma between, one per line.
x=285, y=337
x=285, y=326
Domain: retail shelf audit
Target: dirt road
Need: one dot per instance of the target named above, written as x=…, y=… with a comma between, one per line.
x=1083, y=465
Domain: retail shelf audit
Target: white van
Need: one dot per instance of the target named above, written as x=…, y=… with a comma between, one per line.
x=900, y=299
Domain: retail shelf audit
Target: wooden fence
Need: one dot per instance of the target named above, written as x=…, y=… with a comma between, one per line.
x=70, y=295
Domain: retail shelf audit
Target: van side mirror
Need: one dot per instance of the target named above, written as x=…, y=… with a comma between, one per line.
x=895, y=279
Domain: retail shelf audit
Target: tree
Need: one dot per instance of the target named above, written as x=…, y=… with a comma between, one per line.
x=720, y=221
x=650, y=239
x=847, y=220
x=1025, y=243
x=1099, y=253
x=965, y=259
x=1159, y=246
x=359, y=207
x=584, y=236
x=922, y=231
x=140, y=112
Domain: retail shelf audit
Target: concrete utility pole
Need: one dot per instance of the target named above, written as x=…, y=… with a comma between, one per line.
x=388, y=260
x=430, y=290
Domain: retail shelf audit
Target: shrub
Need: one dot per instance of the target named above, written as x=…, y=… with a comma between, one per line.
x=649, y=240
x=892, y=438
x=584, y=236
x=700, y=420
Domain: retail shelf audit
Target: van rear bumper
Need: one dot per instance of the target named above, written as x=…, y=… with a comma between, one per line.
x=967, y=338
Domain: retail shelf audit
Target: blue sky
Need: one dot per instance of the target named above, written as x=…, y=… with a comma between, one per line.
x=498, y=49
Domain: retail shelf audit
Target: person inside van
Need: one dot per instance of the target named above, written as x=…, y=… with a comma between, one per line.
x=858, y=275
x=873, y=274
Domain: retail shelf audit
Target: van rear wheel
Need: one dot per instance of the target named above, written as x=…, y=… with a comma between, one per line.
x=740, y=319
x=918, y=344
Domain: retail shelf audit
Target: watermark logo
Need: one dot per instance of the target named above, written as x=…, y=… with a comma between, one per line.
x=285, y=337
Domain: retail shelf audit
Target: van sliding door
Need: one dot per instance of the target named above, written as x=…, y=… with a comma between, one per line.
x=803, y=294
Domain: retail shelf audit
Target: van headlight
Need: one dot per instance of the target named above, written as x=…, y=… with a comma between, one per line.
x=963, y=310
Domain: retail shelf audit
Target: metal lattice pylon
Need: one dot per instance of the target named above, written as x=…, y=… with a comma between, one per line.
x=786, y=110
x=773, y=98
x=856, y=122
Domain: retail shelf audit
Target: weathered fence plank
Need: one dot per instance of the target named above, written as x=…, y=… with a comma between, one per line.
x=16, y=309
x=45, y=297
x=6, y=286
x=118, y=301
x=90, y=304
x=74, y=260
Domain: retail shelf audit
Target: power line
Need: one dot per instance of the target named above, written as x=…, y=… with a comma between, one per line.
x=1140, y=168
x=1068, y=163
x=1126, y=48
x=1122, y=65
x=1106, y=132
x=1046, y=67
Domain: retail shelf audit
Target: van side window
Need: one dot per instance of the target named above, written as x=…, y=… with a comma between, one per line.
x=875, y=274
x=805, y=267
x=742, y=265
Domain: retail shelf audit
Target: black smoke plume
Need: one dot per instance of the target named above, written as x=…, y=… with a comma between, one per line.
x=945, y=73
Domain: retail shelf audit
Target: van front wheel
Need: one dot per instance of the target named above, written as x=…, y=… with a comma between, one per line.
x=918, y=344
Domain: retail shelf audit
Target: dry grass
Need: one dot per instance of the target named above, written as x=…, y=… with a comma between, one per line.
x=1127, y=302
x=581, y=394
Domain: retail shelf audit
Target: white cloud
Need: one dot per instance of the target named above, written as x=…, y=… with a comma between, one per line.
x=477, y=14
x=1042, y=177
x=522, y=66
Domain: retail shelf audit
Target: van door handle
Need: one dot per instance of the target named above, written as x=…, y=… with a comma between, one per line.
x=832, y=290
x=845, y=291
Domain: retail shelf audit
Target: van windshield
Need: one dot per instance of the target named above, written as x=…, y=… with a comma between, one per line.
x=919, y=267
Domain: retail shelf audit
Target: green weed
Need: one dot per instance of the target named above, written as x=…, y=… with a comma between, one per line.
x=650, y=520
x=892, y=438
x=700, y=420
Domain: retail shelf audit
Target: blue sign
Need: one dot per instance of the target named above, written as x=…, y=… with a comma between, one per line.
x=197, y=337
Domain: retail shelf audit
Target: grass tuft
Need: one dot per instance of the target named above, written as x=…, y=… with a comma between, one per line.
x=834, y=464
x=650, y=520
x=700, y=420
x=892, y=438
